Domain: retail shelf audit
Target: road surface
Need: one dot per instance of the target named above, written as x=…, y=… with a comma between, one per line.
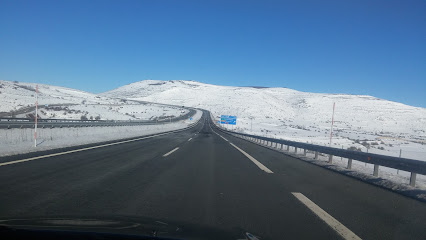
x=210, y=178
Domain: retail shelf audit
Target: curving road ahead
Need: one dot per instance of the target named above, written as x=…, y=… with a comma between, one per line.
x=202, y=176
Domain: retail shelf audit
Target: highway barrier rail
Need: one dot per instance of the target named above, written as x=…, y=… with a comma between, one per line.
x=410, y=165
x=53, y=123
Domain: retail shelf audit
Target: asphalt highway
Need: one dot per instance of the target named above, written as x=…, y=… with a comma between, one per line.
x=207, y=177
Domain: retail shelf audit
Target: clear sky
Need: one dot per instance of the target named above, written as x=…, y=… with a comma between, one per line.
x=357, y=47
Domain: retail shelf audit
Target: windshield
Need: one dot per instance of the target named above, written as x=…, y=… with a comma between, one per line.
x=214, y=119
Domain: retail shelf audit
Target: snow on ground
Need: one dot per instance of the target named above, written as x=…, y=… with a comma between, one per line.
x=64, y=103
x=364, y=123
x=111, y=111
x=394, y=175
x=361, y=122
x=15, y=95
x=18, y=141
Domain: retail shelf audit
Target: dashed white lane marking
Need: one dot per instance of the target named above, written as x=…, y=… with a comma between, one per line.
x=189, y=139
x=78, y=150
x=260, y=165
x=85, y=149
x=167, y=154
x=327, y=218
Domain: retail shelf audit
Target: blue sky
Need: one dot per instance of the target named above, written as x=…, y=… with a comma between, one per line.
x=357, y=47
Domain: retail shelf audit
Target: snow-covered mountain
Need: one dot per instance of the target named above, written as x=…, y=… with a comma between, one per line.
x=285, y=113
x=67, y=103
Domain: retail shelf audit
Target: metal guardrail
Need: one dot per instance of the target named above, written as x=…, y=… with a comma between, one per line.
x=52, y=123
x=410, y=165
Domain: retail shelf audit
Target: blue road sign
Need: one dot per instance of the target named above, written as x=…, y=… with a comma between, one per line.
x=226, y=119
x=190, y=119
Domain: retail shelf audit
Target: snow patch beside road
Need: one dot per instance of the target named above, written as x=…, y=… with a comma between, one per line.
x=19, y=141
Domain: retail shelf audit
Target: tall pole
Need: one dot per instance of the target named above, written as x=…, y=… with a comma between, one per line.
x=35, y=125
x=332, y=123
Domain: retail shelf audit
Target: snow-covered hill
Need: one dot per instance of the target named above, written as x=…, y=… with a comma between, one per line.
x=360, y=121
x=66, y=103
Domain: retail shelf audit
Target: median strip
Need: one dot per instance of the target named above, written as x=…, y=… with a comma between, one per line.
x=343, y=231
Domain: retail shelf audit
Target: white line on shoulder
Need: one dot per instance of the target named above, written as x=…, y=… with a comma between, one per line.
x=260, y=165
x=343, y=231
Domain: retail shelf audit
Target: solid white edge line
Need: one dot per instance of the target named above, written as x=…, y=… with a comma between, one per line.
x=327, y=218
x=167, y=154
x=222, y=137
x=260, y=165
x=94, y=147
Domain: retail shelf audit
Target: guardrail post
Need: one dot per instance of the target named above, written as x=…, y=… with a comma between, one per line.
x=316, y=155
x=304, y=152
x=288, y=148
x=413, y=179
x=295, y=149
x=330, y=158
x=376, y=170
x=349, y=163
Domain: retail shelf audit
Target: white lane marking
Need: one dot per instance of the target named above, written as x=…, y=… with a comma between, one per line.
x=189, y=139
x=260, y=165
x=167, y=154
x=222, y=137
x=327, y=218
x=84, y=149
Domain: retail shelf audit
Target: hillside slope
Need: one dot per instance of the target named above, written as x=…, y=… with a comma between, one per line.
x=360, y=121
x=17, y=99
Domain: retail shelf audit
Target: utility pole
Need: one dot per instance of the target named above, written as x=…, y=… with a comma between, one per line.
x=400, y=153
x=332, y=123
x=36, y=112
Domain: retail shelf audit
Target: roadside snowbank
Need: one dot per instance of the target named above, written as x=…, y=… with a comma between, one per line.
x=18, y=141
